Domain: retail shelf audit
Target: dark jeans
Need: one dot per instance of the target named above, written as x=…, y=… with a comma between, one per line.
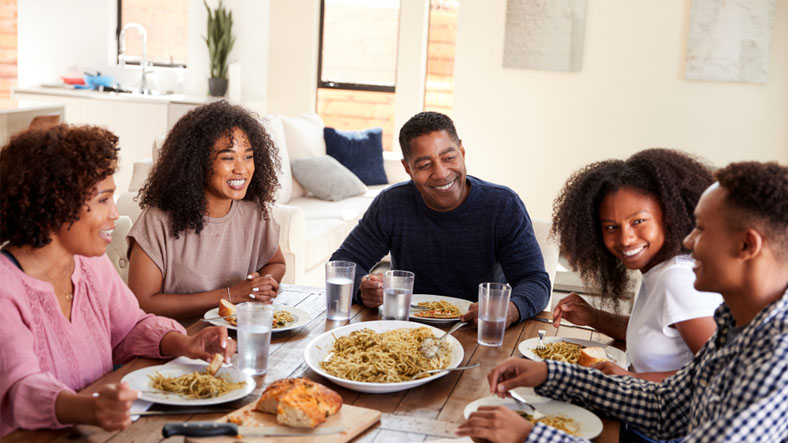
x=628, y=434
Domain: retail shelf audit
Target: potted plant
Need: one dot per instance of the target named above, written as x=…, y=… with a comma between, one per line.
x=220, y=41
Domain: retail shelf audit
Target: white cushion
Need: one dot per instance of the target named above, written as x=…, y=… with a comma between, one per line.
x=350, y=209
x=304, y=138
x=326, y=178
x=140, y=174
x=273, y=125
x=322, y=239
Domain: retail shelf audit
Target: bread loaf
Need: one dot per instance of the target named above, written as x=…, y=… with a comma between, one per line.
x=299, y=402
x=591, y=356
x=226, y=308
x=216, y=363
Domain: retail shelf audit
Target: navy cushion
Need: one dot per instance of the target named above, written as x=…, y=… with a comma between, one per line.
x=359, y=151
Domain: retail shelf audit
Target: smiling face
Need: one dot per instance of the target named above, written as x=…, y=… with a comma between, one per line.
x=632, y=227
x=436, y=164
x=231, y=171
x=713, y=244
x=90, y=235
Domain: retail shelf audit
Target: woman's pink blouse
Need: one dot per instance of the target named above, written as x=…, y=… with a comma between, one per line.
x=43, y=353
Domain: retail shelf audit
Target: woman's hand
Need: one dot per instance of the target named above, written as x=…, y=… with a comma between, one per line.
x=202, y=345
x=497, y=424
x=255, y=287
x=574, y=309
x=111, y=406
x=514, y=372
x=372, y=290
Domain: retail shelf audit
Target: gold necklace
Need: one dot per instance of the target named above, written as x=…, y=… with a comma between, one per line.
x=69, y=295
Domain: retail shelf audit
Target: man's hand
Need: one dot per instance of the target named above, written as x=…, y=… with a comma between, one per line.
x=512, y=314
x=497, y=424
x=372, y=290
x=515, y=372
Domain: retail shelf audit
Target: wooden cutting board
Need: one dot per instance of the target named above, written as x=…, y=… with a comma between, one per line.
x=353, y=419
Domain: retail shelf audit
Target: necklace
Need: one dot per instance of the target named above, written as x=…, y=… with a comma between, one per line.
x=68, y=294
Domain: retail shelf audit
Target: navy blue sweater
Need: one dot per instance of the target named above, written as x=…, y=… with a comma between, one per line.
x=488, y=238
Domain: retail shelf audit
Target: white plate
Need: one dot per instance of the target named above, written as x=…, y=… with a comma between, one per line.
x=526, y=348
x=301, y=318
x=418, y=298
x=317, y=350
x=590, y=424
x=140, y=381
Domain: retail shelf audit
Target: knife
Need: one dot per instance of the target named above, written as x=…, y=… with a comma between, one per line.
x=183, y=411
x=212, y=429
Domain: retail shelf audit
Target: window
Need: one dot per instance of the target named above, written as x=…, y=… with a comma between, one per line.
x=439, y=88
x=358, y=44
x=358, y=64
x=166, y=24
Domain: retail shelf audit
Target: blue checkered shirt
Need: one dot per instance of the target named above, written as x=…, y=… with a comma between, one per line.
x=732, y=392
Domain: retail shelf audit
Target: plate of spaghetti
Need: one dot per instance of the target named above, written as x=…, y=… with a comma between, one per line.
x=437, y=308
x=572, y=419
x=380, y=356
x=567, y=349
x=286, y=318
x=188, y=385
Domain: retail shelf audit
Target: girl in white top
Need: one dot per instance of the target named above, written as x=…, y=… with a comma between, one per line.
x=615, y=216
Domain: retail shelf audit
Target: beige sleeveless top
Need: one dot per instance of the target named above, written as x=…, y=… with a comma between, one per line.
x=225, y=251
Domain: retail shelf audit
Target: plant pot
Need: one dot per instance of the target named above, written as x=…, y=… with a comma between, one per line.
x=217, y=87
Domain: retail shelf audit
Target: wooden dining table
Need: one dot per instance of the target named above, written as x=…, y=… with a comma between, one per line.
x=427, y=412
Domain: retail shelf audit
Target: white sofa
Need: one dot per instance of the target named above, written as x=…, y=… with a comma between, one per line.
x=310, y=229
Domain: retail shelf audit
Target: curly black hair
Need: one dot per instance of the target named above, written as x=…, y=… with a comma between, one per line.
x=47, y=175
x=424, y=123
x=178, y=180
x=758, y=194
x=675, y=179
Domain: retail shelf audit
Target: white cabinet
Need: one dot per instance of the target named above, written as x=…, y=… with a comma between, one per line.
x=136, y=122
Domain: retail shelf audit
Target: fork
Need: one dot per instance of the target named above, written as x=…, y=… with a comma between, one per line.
x=541, y=346
x=434, y=371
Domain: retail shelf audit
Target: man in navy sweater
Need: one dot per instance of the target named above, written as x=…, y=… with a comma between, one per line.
x=452, y=230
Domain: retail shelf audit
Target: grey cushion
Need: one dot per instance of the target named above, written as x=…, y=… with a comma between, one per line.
x=326, y=178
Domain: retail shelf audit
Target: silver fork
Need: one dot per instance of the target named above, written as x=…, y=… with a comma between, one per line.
x=541, y=346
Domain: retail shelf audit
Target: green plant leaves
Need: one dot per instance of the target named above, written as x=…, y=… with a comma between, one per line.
x=220, y=39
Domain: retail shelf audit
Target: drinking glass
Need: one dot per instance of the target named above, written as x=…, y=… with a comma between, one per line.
x=255, y=321
x=397, y=292
x=493, y=307
x=339, y=289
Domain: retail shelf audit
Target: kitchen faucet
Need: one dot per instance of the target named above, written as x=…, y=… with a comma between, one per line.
x=122, y=52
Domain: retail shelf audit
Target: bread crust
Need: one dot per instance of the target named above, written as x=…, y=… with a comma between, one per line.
x=591, y=356
x=216, y=364
x=226, y=308
x=299, y=402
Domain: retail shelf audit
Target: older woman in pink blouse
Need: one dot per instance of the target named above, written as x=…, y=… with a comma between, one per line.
x=65, y=314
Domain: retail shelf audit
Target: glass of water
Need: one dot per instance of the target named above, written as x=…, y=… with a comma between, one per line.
x=397, y=292
x=255, y=321
x=493, y=307
x=339, y=289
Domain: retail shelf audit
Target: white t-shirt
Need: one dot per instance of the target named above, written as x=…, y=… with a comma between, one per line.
x=667, y=296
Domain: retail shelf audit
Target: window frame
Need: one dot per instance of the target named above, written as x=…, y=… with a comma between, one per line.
x=118, y=28
x=342, y=85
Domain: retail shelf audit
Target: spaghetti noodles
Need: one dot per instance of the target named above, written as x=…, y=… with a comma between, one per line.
x=560, y=351
x=386, y=357
x=194, y=385
x=438, y=309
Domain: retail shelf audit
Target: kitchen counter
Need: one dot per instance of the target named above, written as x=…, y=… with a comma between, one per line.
x=68, y=91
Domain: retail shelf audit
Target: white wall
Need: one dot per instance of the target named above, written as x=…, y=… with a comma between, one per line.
x=530, y=129
x=68, y=37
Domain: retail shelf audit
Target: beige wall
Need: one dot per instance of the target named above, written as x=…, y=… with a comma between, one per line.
x=530, y=129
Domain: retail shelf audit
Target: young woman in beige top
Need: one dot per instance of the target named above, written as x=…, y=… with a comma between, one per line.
x=206, y=231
